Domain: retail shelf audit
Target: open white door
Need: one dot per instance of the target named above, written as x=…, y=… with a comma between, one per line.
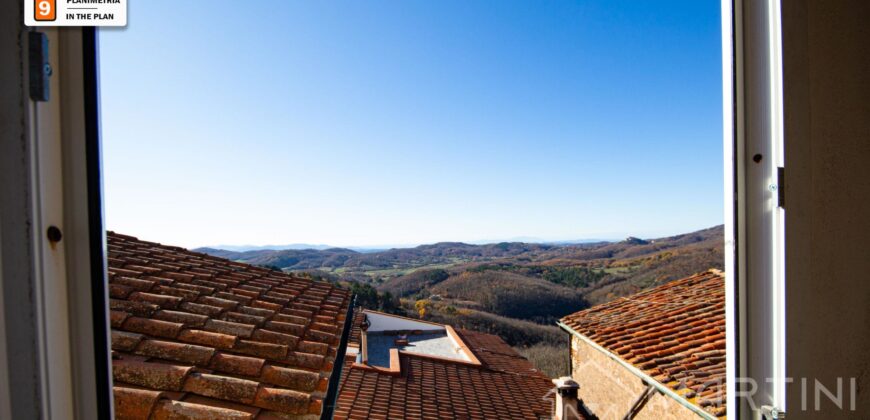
x=55, y=337
x=755, y=223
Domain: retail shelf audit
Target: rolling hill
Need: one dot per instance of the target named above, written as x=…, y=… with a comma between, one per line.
x=503, y=287
x=510, y=294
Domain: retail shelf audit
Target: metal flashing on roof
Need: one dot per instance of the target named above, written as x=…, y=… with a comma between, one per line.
x=385, y=332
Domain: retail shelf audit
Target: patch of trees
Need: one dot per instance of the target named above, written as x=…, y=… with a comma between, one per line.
x=573, y=276
x=414, y=283
x=369, y=298
x=515, y=332
x=577, y=277
x=513, y=295
x=553, y=360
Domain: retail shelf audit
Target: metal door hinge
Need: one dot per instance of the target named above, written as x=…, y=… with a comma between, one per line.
x=769, y=412
x=39, y=69
x=780, y=187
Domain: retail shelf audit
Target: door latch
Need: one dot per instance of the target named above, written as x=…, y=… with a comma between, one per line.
x=780, y=187
x=769, y=412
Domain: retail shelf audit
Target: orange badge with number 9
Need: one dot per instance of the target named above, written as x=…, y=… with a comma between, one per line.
x=44, y=9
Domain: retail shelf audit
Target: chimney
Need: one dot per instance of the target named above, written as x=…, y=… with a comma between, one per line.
x=364, y=344
x=566, y=399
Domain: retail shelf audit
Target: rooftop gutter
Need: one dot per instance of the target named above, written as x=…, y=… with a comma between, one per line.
x=338, y=365
x=664, y=389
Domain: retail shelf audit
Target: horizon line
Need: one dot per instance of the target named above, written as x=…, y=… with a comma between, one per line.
x=519, y=239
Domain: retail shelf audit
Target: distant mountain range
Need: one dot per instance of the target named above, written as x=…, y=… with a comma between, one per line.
x=501, y=287
x=319, y=247
x=599, y=271
x=378, y=248
x=676, y=255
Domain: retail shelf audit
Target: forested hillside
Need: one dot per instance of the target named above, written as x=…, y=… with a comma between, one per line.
x=515, y=290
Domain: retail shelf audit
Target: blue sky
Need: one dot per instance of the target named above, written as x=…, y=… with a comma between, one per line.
x=359, y=123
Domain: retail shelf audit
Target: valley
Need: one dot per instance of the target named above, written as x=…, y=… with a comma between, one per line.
x=515, y=290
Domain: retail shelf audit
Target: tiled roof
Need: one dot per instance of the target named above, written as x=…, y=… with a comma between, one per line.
x=502, y=385
x=675, y=333
x=196, y=336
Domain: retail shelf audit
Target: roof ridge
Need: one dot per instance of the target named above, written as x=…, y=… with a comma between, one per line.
x=216, y=258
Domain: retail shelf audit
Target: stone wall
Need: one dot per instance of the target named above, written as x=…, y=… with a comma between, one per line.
x=609, y=390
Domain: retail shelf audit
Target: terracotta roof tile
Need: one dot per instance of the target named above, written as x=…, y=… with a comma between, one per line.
x=266, y=305
x=153, y=327
x=240, y=365
x=266, y=336
x=202, y=309
x=503, y=385
x=674, y=332
x=230, y=328
x=117, y=291
x=306, y=360
x=117, y=318
x=179, y=352
x=186, y=318
x=134, y=404
x=183, y=293
x=250, y=310
x=133, y=308
x=190, y=335
x=321, y=336
x=291, y=319
x=239, y=299
x=214, y=402
x=156, y=376
x=299, y=380
x=134, y=283
x=125, y=341
x=283, y=400
x=206, y=338
x=244, y=318
x=285, y=327
x=225, y=304
x=264, y=350
x=313, y=348
x=163, y=301
x=222, y=387
x=174, y=410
